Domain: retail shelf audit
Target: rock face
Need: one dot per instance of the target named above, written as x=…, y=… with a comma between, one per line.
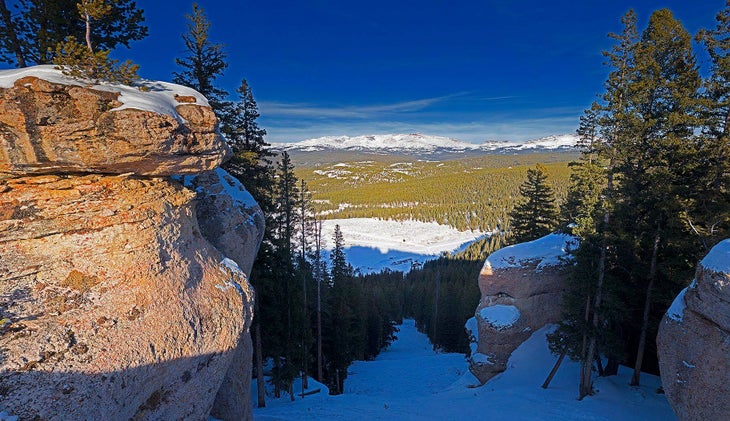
x=232, y=221
x=521, y=288
x=52, y=128
x=114, y=303
x=694, y=342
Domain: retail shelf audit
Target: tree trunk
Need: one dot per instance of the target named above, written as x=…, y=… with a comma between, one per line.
x=436, y=308
x=88, y=32
x=261, y=386
x=599, y=365
x=11, y=34
x=550, y=376
x=277, y=384
x=584, y=350
x=586, y=382
x=318, y=233
x=337, y=381
x=635, y=378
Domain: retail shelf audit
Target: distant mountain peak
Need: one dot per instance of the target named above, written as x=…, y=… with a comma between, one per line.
x=424, y=144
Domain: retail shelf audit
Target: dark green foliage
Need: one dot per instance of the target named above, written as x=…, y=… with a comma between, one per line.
x=41, y=25
x=204, y=63
x=657, y=199
x=77, y=61
x=537, y=215
x=448, y=283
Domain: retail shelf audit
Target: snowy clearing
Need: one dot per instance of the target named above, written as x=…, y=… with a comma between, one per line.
x=375, y=244
x=409, y=381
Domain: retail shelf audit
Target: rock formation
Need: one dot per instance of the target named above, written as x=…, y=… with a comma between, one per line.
x=521, y=290
x=693, y=343
x=114, y=301
x=53, y=127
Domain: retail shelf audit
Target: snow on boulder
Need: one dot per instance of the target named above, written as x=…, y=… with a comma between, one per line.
x=500, y=316
x=521, y=291
x=544, y=252
x=53, y=123
x=232, y=221
x=693, y=342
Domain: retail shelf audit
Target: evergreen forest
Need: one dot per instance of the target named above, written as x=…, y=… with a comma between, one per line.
x=645, y=193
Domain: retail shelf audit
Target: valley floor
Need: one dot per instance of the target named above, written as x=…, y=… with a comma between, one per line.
x=409, y=381
x=372, y=244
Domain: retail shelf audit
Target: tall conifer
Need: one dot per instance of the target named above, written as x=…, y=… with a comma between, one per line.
x=536, y=216
x=205, y=61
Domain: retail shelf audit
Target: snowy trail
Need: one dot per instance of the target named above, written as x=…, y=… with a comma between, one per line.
x=409, y=381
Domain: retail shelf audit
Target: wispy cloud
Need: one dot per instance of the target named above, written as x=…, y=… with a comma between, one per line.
x=284, y=109
x=502, y=128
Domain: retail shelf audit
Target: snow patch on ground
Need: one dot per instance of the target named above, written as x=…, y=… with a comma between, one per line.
x=372, y=244
x=718, y=259
x=500, y=316
x=159, y=96
x=551, y=250
x=4, y=416
x=410, y=381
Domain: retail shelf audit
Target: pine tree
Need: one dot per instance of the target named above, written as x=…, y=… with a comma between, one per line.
x=204, y=63
x=34, y=36
x=251, y=161
x=82, y=61
x=536, y=216
x=339, y=334
x=705, y=209
x=589, y=312
x=10, y=46
x=663, y=96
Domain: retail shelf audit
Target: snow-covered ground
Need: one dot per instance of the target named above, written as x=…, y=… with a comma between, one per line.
x=375, y=244
x=409, y=381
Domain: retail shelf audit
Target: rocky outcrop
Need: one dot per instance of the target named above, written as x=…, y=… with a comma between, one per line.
x=58, y=127
x=521, y=290
x=693, y=343
x=118, y=299
x=231, y=220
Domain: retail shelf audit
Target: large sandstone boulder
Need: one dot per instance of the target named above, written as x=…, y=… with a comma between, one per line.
x=693, y=343
x=115, y=306
x=232, y=221
x=50, y=125
x=121, y=296
x=521, y=291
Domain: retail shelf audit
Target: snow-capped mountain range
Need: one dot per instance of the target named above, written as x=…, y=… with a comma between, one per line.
x=424, y=144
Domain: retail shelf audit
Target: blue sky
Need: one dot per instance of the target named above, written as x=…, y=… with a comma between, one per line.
x=472, y=70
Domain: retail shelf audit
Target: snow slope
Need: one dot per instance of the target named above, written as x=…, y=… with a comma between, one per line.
x=409, y=381
x=425, y=144
x=375, y=244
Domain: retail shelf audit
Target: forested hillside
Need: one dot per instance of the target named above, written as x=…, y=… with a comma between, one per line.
x=468, y=194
